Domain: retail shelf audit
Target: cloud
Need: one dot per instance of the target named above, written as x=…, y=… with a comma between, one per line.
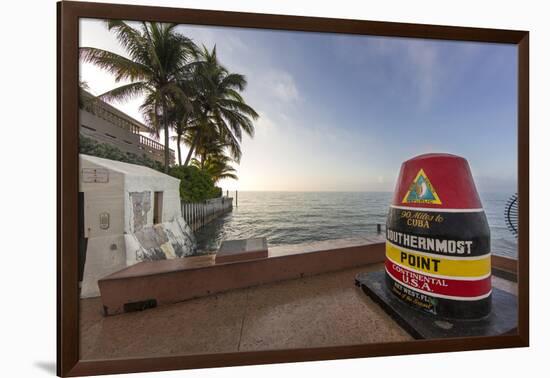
x=229, y=45
x=412, y=67
x=280, y=85
x=419, y=71
x=343, y=138
x=426, y=73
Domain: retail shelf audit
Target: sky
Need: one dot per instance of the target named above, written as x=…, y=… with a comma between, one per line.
x=342, y=112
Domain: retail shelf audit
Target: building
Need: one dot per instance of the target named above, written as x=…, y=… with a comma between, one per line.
x=106, y=124
x=127, y=213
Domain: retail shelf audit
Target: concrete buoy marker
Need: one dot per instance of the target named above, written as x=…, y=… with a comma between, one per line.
x=436, y=278
x=438, y=255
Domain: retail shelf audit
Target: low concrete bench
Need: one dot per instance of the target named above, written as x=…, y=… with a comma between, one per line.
x=242, y=250
x=155, y=283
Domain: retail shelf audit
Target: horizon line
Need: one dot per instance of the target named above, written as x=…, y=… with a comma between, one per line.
x=337, y=191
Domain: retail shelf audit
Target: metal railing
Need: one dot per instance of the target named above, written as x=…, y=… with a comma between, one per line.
x=154, y=148
x=197, y=215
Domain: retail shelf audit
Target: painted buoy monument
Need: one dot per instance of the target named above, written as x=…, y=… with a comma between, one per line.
x=438, y=252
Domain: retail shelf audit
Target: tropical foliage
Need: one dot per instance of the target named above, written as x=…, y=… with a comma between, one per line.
x=156, y=57
x=220, y=113
x=185, y=89
x=89, y=146
x=217, y=166
x=196, y=185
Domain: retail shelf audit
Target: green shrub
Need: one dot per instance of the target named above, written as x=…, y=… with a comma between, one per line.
x=217, y=192
x=89, y=146
x=196, y=185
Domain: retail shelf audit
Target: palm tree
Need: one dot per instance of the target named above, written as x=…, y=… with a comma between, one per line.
x=218, y=167
x=219, y=108
x=209, y=143
x=157, y=55
x=180, y=127
x=182, y=122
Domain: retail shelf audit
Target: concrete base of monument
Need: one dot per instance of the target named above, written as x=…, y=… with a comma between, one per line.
x=420, y=325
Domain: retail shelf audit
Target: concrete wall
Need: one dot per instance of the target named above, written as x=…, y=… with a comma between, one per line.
x=102, y=131
x=125, y=193
x=106, y=249
x=122, y=134
x=102, y=198
x=139, y=189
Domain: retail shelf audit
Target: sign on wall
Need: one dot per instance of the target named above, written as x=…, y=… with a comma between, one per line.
x=95, y=175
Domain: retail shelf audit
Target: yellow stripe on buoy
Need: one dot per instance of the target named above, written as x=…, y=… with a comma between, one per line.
x=439, y=265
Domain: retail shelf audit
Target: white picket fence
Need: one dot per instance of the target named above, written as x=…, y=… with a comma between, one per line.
x=199, y=214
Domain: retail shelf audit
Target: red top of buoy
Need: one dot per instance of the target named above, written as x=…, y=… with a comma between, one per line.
x=439, y=181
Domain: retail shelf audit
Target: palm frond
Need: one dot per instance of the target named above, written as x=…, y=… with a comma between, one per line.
x=122, y=68
x=185, y=88
x=234, y=81
x=130, y=39
x=125, y=92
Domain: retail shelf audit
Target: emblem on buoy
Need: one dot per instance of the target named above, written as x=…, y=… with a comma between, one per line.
x=421, y=190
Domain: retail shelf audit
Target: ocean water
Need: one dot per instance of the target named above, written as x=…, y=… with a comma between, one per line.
x=300, y=217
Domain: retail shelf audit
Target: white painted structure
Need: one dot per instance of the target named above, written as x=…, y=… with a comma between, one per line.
x=131, y=213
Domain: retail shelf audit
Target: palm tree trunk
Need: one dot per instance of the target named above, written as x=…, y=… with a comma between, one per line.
x=166, y=139
x=179, y=148
x=193, y=145
x=195, y=140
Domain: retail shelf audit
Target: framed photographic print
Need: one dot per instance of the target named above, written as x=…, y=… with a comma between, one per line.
x=238, y=188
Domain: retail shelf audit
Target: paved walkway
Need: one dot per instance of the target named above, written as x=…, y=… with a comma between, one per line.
x=324, y=310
